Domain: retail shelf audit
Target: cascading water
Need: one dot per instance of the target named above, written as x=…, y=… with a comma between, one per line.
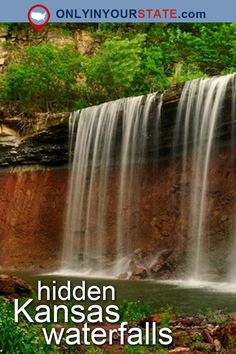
x=199, y=113
x=108, y=148
x=96, y=133
x=133, y=149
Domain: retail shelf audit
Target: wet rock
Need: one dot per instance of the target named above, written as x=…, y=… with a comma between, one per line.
x=157, y=265
x=180, y=350
x=213, y=329
x=123, y=276
x=141, y=256
x=181, y=338
x=161, y=264
x=157, y=318
x=190, y=321
x=138, y=252
x=229, y=335
x=138, y=272
x=217, y=345
x=208, y=337
x=11, y=286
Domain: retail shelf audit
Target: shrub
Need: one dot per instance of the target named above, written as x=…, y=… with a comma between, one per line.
x=42, y=78
x=133, y=311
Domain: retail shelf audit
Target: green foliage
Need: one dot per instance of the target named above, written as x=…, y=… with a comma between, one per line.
x=167, y=312
x=208, y=47
x=92, y=349
x=43, y=78
x=126, y=60
x=111, y=72
x=215, y=317
x=133, y=311
x=137, y=349
x=203, y=347
x=20, y=339
x=136, y=59
x=145, y=349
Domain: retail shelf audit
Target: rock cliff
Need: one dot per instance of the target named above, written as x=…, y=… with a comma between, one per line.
x=34, y=179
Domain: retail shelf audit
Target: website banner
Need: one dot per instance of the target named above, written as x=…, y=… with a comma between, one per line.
x=123, y=11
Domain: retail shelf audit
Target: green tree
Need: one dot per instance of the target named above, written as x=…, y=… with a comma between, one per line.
x=43, y=78
x=206, y=47
x=112, y=70
x=130, y=59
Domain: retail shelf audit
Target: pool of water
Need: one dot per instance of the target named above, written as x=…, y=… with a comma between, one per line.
x=184, y=297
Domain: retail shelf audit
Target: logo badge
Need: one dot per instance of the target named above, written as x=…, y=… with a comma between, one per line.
x=38, y=16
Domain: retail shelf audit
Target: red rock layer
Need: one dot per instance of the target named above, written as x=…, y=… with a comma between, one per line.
x=32, y=207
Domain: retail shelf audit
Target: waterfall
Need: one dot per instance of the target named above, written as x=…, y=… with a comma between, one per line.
x=105, y=140
x=132, y=155
x=199, y=112
x=113, y=147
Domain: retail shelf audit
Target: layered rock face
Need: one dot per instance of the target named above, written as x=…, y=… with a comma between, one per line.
x=33, y=193
x=33, y=190
x=35, y=140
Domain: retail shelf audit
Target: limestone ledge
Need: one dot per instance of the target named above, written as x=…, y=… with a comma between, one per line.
x=42, y=138
x=39, y=140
